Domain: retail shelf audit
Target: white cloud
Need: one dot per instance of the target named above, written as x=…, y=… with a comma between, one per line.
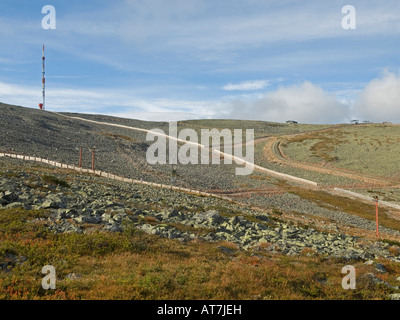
x=117, y=102
x=213, y=29
x=247, y=85
x=224, y=26
x=14, y=91
x=156, y=116
x=305, y=103
x=380, y=99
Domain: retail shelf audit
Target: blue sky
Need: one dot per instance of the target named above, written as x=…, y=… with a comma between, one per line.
x=190, y=59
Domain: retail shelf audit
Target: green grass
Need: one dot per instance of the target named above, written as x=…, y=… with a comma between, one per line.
x=371, y=149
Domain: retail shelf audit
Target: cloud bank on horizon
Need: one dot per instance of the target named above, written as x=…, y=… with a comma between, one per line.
x=379, y=101
x=179, y=59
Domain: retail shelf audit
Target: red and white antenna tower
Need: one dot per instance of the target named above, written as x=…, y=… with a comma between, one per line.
x=42, y=105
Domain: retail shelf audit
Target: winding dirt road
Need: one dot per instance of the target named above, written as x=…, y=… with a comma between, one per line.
x=273, y=153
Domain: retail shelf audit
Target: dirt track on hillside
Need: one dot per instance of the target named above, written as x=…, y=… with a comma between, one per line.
x=273, y=153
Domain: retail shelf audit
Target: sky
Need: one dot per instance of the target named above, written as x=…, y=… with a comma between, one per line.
x=168, y=60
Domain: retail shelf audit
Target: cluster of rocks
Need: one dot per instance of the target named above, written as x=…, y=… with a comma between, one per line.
x=272, y=236
x=93, y=203
x=122, y=151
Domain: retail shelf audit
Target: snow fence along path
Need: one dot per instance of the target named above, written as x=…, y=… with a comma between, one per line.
x=192, y=191
x=239, y=160
x=110, y=175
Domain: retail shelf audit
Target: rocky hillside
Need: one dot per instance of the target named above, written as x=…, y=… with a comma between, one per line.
x=123, y=152
x=118, y=150
x=84, y=204
x=269, y=219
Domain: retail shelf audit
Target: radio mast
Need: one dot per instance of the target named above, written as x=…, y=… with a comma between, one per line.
x=42, y=105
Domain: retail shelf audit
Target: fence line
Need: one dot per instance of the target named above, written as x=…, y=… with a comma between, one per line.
x=163, y=186
x=111, y=176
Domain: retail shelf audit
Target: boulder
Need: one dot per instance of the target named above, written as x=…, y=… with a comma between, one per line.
x=14, y=205
x=106, y=216
x=7, y=197
x=119, y=216
x=212, y=216
x=292, y=252
x=53, y=202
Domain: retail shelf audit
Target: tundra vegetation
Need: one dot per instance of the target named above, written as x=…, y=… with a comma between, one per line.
x=133, y=264
x=275, y=240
